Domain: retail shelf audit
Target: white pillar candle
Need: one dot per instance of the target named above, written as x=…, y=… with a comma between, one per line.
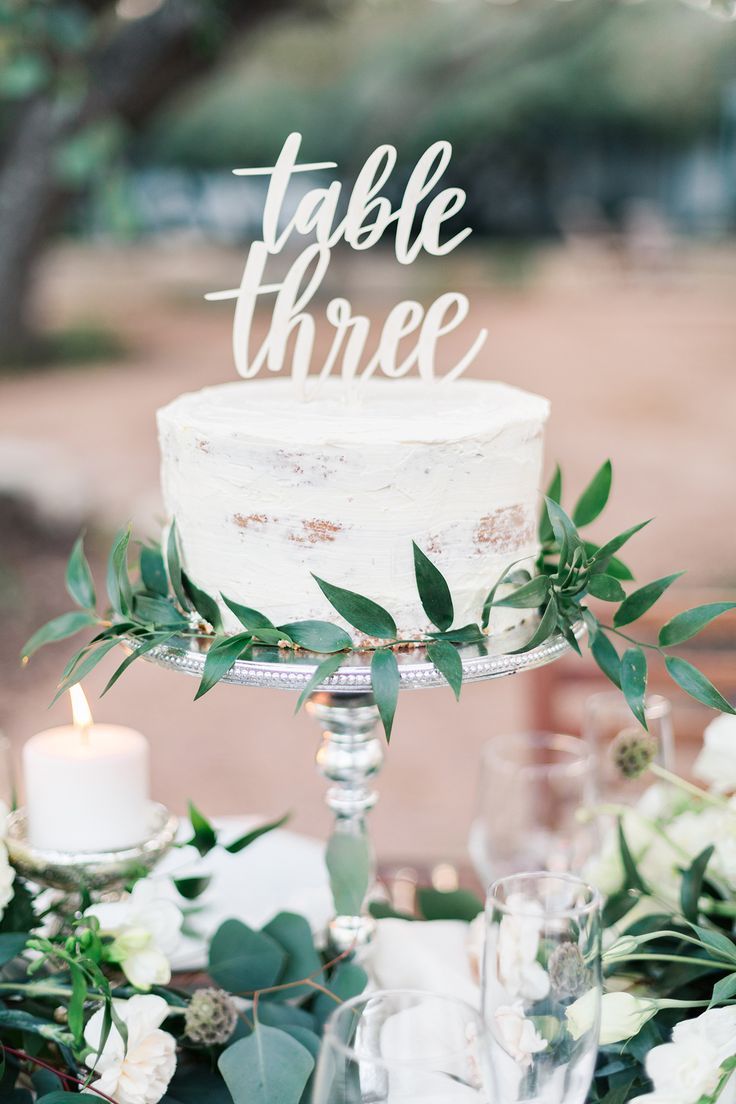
x=86, y=785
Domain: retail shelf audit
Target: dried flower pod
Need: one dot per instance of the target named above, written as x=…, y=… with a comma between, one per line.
x=210, y=1017
x=568, y=973
x=632, y=751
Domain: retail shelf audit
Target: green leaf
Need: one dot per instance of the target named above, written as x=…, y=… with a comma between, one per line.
x=694, y=683
x=326, y=668
x=220, y=658
x=204, y=604
x=592, y=501
x=23, y=75
x=294, y=935
x=242, y=960
x=58, y=1097
x=688, y=624
x=11, y=945
x=606, y=588
x=75, y=1010
x=86, y=665
x=250, y=618
x=242, y=842
x=605, y=553
x=347, y=980
x=61, y=627
x=362, y=613
x=607, y=658
x=157, y=611
x=642, y=599
x=457, y=904
x=691, y=886
x=466, y=634
x=205, y=836
x=193, y=887
x=267, y=1067
x=434, y=593
x=348, y=859
x=118, y=582
x=79, y=581
x=153, y=571
x=634, y=682
x=614, y=567
x=529, y=596
x=554, y=492
x=723, y=990
x=272, y=636
x=136, y=653
x=491, y=597
x=173, y=566
x=447, y=661
x=718, y=942
x=545, y=629
x=632, y=878
x=565, y=532
x=317, y=636
x=385, y=682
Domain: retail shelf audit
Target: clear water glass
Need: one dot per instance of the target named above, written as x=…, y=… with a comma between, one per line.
x=530, y=787
x=605, y=715
x=542, y=987
x=399, y=1046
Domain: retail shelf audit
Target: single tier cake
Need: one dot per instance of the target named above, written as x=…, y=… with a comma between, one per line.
x=267, y=489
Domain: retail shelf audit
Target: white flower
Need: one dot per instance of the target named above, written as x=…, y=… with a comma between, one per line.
x=141, y=1073
x=145, y=928
x=622, y=1015
x=518, y=944
x=7, y=877
x=688, y=1067
x=517, y=1034
x=716, y=763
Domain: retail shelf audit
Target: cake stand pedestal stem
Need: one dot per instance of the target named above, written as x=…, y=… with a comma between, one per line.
x=349, y=757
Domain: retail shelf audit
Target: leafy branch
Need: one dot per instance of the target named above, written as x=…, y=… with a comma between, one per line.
x=157, y=602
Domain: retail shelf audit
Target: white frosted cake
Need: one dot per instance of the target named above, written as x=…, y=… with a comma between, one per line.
x=267, y=490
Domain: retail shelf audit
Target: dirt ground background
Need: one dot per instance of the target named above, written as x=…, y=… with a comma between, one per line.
x=638, y=359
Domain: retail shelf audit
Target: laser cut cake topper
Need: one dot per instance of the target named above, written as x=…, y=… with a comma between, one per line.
x=367, y=215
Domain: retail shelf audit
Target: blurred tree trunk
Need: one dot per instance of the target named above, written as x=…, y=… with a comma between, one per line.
x=133, y=72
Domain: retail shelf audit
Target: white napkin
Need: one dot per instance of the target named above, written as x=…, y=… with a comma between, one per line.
x=434, y=956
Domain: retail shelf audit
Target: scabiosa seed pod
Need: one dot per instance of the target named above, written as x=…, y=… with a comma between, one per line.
x=568, y=974
x=632, y=751
x=210, y=1017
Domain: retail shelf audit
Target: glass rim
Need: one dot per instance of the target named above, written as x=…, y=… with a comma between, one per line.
x=329, y=1038
x=581, y=756
x=571, y=912
x=656, y=706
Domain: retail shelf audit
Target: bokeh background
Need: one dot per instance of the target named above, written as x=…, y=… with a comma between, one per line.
x=597, y=144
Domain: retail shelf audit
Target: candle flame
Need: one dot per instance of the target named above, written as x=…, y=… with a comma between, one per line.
x=81, y=713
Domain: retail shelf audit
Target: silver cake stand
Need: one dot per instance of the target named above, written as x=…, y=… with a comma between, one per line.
x=351, y=752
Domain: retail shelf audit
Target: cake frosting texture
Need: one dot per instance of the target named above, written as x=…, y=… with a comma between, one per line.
x=267, y=489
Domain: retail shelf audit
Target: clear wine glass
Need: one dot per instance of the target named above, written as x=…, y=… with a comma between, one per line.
x=542, y=987
x=399, y=1046
x=530, y=787
x=605, y=715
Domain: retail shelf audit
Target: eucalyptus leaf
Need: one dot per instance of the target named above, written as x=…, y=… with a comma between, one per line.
x=491, y=596
x=565, y=532
x=274, y=637
x=326, y=668
x=349, y=862
x=695, y=683
x=606, y=587
x=594, y=498
x=360, y=612
x=385, y=682
x=347, y=980
x=602, y=557
x=637, y=604
x=447, y=661
x=607, y=658
x=251, y=619
x=157, y=611
x=221, y=656
x=317, y=636
x=204, y=603
x=11, y=945
x=466, y=634
x=530, y=595
x=147, y=646
x=685, y=625
x=544, y=630
x=554, y=492
x=90, y=661
x=118, y=581
x=173, y=566
x=79, y=582
x=61, y=627
x=267, y=1067
x=153, y=571
x=242, y=960
x=634, y=682
x=614, y=566
x=434, y=593
x=456, y=904
x=294, y=935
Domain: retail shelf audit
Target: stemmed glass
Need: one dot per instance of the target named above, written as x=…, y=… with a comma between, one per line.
x=542, y=987
x=605, y=715
x=399, y=1046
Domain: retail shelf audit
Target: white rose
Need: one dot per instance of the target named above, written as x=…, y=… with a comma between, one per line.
x=716, y=763
x=7, y=877
x=689, y=1066
x=145, y=927
x=516, y=949
x=140, y=1073
x=622, y=1015
x=517, y=1034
